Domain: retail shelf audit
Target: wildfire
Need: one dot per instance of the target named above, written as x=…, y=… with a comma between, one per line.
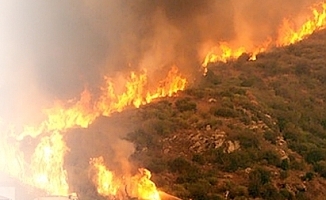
x=103, y=178
x=288, y=34
x=222, y=53
x=47, y=165
x=138, y=186
x=45, y=170
x=11, y=159
x=138, y=92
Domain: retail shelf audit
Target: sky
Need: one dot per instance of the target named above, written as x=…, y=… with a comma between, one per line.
x=54, y=49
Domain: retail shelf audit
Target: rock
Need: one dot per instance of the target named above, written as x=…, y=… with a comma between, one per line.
x=232, y=146
x=301, y=187
x=212, y=100
x=248, y=170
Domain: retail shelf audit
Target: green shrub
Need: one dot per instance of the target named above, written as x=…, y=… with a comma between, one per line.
x=185, y=104
x=142, y=139
x=199, y=190
x=257, y=179
x=247, y=138
x=157, y=166
x=286, y=194
x=269, y=192
x=224, y=112
x=308, y=176
x=285, y=164
x=320, y=167
x=284, y=174
x=315, y=155
x=198, y=158
x=233, y=161
x=271, y=157
x=179, y=165
x=162, y=127
x=271, y=136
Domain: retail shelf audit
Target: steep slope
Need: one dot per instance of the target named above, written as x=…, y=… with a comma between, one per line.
x=248, y=129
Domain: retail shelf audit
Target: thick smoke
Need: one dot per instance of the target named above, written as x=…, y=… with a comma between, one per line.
x=53, y=49
x=104, y=138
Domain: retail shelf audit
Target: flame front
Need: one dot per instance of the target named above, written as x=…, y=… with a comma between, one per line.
x=137, y=92
x=138, y=186
x=287, y=34
x=45, y=168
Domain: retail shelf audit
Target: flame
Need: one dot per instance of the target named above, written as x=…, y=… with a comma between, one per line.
x=287, y=34
x=62, y=116
x=47, y=165
x=11, y=159
x=137, y=92
x=169, y=86
x=103, y=178
x=146, y=188
x=138, y=186
x=45, y=168
x=224, y=52
x=111, y=102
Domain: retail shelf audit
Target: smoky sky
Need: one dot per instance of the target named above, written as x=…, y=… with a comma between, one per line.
x=54, y=49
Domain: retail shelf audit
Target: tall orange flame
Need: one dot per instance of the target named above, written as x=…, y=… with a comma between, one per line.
x=288, y=34
x=138, y=186
x=45, y=170
x=47, y=165
x=103, y=178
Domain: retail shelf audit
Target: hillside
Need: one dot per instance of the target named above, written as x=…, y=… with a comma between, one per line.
x=249, y=129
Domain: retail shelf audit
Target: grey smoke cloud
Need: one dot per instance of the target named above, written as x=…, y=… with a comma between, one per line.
x=53, y=49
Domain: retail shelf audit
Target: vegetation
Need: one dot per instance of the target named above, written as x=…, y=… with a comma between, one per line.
x=249, y=129
x=274, y=109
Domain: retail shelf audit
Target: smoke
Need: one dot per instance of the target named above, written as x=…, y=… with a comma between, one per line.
x=104, y=138
x=53, y=49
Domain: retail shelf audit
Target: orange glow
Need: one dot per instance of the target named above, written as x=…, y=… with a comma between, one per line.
x=47, y=165
x=63, y=116
x=146, y=188
x=45, y=169
x=225, y=52
x=103, y=178
x=80, y=114
x=222, y=53
x=288, y=34
x=169, y=86
x=137, y=92
x=11, y=159
x=110, y=101
x=138, y=186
